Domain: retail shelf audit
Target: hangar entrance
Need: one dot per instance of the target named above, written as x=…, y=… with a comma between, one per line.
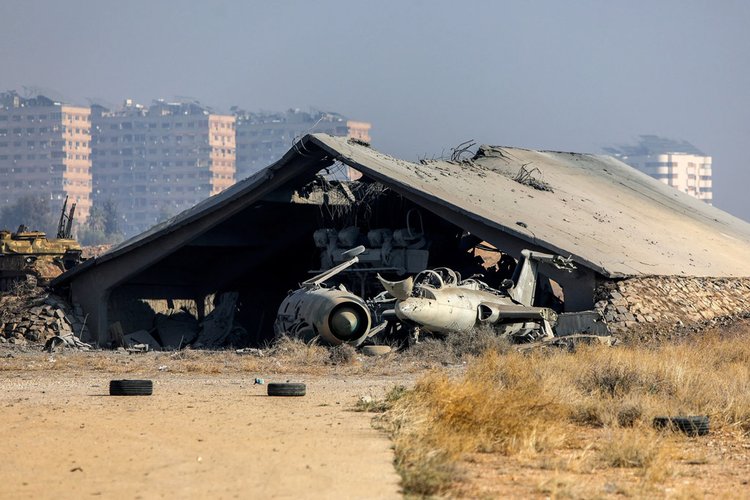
x=224, y=287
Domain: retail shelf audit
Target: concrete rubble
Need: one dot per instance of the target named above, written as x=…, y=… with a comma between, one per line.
x=177, y=326
x=659, y=306
x=31, y=315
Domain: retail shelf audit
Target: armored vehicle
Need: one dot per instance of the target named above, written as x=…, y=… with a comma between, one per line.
x=28, y=255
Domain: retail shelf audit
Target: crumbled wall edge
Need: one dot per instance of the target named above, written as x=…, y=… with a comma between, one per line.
x=661, y=306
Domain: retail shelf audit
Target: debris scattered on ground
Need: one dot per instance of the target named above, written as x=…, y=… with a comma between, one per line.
x=139, y=338
x=376, y=350
x=250, y=351
x=65, y=341
x=137, y=349
x=219, y=324
x=29, y=314
x=176, y=329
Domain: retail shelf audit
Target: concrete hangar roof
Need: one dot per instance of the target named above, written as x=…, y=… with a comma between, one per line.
x=608, y=216
x=256, y=236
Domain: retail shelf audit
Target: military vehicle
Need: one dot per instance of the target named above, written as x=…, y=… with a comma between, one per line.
x=332, y=316
x=28, y=255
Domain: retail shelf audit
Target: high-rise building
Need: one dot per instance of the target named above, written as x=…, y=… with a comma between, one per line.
x=676, y=163
x=45, y=149
x=263, y=138
x=156, y=161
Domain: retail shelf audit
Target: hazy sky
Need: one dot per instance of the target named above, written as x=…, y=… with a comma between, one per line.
x=563, y=75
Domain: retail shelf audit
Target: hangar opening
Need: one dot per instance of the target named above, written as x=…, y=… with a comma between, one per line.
x=261, y=253
x=216, y=274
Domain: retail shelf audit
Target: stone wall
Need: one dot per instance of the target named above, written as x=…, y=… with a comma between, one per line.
x=671, y=302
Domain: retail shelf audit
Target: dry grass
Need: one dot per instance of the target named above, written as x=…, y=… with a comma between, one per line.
x=536, y=404
x=457, y=347
x=286, y=356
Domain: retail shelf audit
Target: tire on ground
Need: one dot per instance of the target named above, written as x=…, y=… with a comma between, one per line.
x=131, y=387
x=692, y=426
x=286, y=389
x=376, y=350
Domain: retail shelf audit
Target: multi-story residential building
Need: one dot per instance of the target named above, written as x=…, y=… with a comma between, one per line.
x=156, y=161
x=676, y=163
x=45, y=149
x=263, y=138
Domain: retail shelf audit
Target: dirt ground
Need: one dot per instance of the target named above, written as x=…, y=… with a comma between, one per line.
x=198, y=436
x=209, y=432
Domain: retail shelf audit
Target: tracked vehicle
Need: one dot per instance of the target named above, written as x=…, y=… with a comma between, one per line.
x=29, y=256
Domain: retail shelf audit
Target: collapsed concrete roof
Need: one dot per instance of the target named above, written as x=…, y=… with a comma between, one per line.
x=610, y=217
x=613, y=220
x=607, y=215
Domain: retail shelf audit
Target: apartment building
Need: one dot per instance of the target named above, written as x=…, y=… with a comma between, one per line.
x=45, y=149
x=263, y=138
x=676, y=163
x=156, y=161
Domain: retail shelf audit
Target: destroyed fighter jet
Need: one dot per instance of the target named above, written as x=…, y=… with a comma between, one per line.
x=438, y=301
x=331, y=315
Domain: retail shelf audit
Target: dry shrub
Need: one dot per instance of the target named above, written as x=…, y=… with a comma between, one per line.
x=298, y=353
x=709, y=376
x=455, y=347
x=637, y=448
x=381, y=405
x=477, y=341
x=343, y=354
x=495, y=407
x=424, y=470
x=500, y=403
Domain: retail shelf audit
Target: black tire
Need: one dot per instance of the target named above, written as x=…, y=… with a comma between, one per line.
x=286, y=389
x=131, y=387
x=692, y=426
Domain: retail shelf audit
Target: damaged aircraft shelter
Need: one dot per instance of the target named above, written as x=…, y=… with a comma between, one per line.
x=245, y=248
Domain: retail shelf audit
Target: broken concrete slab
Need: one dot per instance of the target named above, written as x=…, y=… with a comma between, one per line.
x=176, y=329
x=141, y=337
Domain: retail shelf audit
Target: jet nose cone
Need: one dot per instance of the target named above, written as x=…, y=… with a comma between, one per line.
x=414, y=309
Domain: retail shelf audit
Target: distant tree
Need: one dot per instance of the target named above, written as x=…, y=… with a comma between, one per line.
x=33, y=211
x=102, y=226
x=111, y=217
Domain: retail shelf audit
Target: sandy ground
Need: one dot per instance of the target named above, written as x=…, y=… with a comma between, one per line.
x=198, y=436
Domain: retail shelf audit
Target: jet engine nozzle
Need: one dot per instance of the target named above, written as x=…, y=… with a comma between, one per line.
x=348, y=321
x=332, y=315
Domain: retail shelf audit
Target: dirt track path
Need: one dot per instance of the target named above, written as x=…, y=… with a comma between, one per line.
x=196, y=437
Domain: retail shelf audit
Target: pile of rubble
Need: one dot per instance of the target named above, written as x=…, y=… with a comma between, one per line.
x=670, y=303
x=176, y=328
x=29, y=314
